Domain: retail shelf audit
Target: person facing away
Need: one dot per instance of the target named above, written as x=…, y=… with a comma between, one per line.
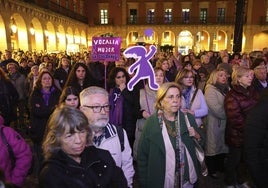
x=16, y=174
x=166, y=151
x=95, y=105
x=70, y=158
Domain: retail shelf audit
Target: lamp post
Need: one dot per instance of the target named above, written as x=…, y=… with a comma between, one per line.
x=13, y=25
x=32, y=31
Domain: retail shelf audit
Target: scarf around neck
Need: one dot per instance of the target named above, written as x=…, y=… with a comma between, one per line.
x=116, y=111
x=46, y=95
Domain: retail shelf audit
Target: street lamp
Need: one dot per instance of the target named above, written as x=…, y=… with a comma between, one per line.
x=32, y=31
x=13, y=25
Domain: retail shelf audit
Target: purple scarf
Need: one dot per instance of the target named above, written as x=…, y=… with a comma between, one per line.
x=116, y=111
x=46, y=95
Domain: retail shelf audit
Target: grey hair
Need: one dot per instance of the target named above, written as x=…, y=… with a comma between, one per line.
x=91, y=91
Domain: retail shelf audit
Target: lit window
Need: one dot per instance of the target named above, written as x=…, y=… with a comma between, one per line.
x=267, y=15
x=133, y=16
x=104, y=16
x=203, y=15
x=186, y=15
x=168, y=15
x=150, y=16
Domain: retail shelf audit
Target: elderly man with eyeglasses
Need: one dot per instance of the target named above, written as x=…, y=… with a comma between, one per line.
x=95, y=105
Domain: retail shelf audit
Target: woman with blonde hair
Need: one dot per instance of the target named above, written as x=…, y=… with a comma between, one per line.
x=166, y=152
x=193, y=100
x=237, y=104
x=215, y=147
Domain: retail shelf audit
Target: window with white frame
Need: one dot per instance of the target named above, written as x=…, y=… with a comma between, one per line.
x=104, y=16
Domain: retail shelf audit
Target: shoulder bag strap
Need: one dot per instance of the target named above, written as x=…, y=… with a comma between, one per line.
x=192, y=100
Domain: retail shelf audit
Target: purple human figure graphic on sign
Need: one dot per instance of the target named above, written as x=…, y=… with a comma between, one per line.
x=142, y=64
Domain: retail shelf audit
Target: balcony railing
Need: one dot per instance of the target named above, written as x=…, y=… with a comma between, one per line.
x=181, y=21
x=58, y=9
x=97, y=21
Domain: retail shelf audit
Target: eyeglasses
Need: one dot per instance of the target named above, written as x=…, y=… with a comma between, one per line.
x=97, y=109
x=118, y=77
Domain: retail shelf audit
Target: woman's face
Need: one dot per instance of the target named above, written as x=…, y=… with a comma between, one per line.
x=188, y=79
x=80, y=73
x=246, y=79
x=120, y=78
x=159, y=77
x=46, y=81
x=165, y=65
x=72, y=100
x=73, y=144
x=222, y=77
x=172, y=101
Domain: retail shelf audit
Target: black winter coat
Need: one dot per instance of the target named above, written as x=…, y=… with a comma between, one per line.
x=40, y=112
x=237, y=105
x=97, y=169
x=256, y=142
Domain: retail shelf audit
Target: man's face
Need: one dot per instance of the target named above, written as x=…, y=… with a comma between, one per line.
x=96, y=119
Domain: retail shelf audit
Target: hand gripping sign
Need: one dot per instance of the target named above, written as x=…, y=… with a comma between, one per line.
x=142, y=65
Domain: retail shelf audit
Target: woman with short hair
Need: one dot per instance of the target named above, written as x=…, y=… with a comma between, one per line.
x=70, y=158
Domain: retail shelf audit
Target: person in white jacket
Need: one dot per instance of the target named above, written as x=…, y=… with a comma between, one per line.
x=95, y=105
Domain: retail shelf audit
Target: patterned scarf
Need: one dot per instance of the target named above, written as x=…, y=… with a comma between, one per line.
x=116, y=111
x=187, y=96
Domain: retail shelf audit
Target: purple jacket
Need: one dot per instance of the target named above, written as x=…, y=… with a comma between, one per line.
x=22, y=153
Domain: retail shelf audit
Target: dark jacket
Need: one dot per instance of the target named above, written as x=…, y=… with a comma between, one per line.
x=8, y=100
x=257, y=85
x=237, y=104
x=40, y=112
x=97, y=169
x=256, y=142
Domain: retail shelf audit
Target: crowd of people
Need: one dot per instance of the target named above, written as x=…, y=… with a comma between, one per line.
x=88, y=129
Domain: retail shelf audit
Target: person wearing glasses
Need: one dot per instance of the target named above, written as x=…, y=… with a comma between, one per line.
x=95, y=105
x=71, y=160
x=124, y=103
x=193, y=100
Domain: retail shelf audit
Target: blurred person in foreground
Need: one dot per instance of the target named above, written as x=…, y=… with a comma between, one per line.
x=70, y=159
x=14, y=172
x=256, y=141
x=166, y=151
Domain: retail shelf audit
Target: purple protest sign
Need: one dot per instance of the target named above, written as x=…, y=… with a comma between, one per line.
x=106, y=48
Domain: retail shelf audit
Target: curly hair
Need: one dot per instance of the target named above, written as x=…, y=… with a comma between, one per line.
x=113, y=73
